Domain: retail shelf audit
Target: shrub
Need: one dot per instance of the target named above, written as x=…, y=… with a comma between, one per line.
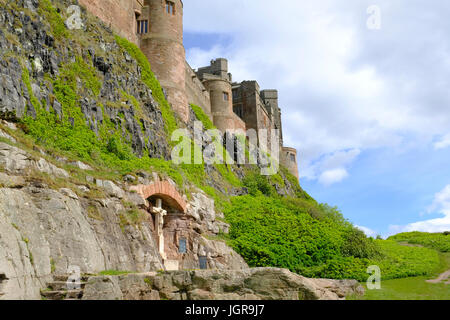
x=316, y=241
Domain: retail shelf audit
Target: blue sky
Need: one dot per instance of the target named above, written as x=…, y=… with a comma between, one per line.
x=367, y=109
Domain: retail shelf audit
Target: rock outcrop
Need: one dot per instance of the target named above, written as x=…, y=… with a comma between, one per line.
x=32, y=46
x=248, y=284
x=44, y=231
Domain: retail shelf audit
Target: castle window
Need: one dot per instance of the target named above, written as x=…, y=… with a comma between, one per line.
x=182, y=248
x=142, y=26
x=292, y=157
x=239, y=111
x=170, y=7
x=226, y=96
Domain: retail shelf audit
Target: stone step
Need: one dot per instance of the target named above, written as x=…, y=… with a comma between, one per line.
x=62, y=285
x=62, y=295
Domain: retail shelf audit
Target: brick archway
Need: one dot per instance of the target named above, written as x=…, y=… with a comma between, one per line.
x=164, y=190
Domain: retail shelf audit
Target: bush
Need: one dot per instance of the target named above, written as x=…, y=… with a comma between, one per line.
x=258, y=185
x=316, y=241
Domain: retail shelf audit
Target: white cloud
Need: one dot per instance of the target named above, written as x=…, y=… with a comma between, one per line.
x=331, y=165
x=443, y=143
x=342, y=87
x=441, y=204
x=369, y=232
x=333, y=176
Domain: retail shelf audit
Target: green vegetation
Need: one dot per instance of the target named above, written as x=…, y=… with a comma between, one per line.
x=149, y=79
x=201, y=116
x=413, y=288
x=114, y=273
x=52, y=16
x=315, y=240
x=438, y=241
x=132, y=216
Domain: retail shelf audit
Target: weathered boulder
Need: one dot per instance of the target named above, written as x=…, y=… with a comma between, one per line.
x=18, y=161
x=248, y=284
x=6, y=136
x=10, y=181
x=113, y=190
x=202, y=209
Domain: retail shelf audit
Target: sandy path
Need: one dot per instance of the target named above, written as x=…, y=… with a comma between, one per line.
x=444, y=276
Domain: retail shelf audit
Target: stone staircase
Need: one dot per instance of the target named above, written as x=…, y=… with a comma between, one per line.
x=58, y=289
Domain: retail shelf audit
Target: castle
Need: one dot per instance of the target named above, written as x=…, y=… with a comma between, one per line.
x=156, y=26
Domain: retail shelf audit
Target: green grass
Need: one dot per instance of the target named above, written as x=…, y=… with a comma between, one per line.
x=148, y=77
x=47, y=10
x=114, y=273
x=413, y=288
x=438, y=241
x=201, y=116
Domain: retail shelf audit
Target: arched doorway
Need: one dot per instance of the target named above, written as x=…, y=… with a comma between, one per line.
x=170, y=223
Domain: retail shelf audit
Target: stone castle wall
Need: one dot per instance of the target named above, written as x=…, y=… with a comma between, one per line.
x=196, y=91
x=119, y=14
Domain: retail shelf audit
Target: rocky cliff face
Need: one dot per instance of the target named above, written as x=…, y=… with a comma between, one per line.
x=26, y=41
x=44, y=231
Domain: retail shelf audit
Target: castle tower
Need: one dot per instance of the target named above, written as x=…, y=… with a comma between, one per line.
x=270, y=98
x=217, y=81
x=289, y=160
x=161, y=39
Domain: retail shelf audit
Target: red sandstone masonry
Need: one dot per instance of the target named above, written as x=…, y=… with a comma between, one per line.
x=119, y=14
x=163, y=188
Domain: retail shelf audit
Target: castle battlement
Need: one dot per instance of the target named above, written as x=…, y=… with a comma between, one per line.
x=156, y=26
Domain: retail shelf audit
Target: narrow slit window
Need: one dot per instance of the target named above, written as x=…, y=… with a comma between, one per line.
x=170, y=7
x=142, y=26
x=226, y=96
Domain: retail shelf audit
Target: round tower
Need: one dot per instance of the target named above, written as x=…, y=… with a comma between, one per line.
x=289, y=160
x=217, y=81
x=221, y=103
x=163, y=46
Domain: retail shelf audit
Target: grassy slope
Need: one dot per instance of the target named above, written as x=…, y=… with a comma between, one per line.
x=438, y=241
x=414, y=288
